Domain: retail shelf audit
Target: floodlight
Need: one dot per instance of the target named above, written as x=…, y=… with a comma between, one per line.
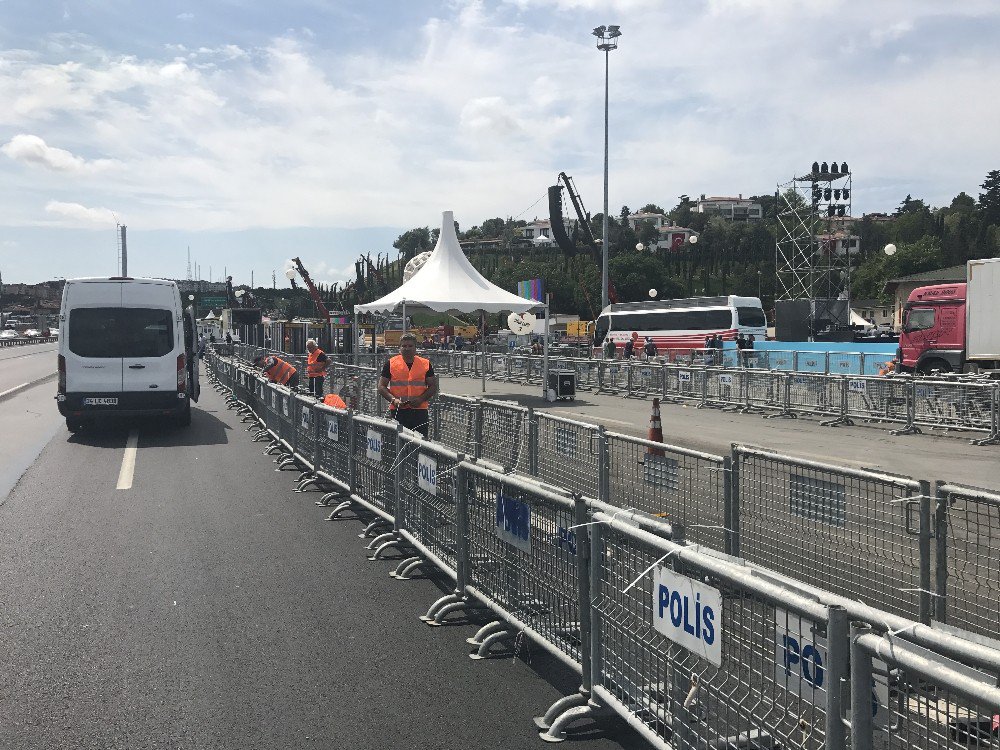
x=599, y=31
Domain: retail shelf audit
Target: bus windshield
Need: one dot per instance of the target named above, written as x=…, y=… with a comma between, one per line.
x=601, y=329
x=751, y=317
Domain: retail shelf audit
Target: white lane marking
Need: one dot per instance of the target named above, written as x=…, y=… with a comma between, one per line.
x=128, y=462
x=592, y=416
x=15, y=389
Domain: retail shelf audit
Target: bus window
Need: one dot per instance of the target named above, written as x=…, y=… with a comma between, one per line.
x=601, y=329
x=751, y=317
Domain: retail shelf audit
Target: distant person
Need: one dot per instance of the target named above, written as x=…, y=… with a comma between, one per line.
x=202, y=341
x=609, y=348
x=229, y=339
x=459, y=343
x=211, y=337
x=536, y=347
x=649, y=348
x=629, y=350
x=278, y=370
x=288, y=342
x=408, y=383
x=750, y=341
x=316, y=364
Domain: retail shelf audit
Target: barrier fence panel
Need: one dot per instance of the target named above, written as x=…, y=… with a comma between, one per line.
x=333, y=444
x=453, y=422
x=568, y=454
x=683, y=382
x=645, y=379
x=613, y=377
x=305, y=438
x=925, y=703
x=857, y=533
x=680, y=485
x=505, y=435
x=818, y=394
x=954, y=404
x=724, y=387
x=763, y=389
x=428, y=500
x=522, y=558
x=697, y=661
x=374, y=457
x=878, y=399
x=968, y=562
x=284, y=412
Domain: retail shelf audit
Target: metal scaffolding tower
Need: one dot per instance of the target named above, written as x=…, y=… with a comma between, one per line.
x=813, y=257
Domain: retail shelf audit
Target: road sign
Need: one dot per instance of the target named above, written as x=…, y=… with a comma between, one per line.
x=373, y=445
x=427, y=474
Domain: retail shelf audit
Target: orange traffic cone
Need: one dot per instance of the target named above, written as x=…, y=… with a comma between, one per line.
x=655, y=429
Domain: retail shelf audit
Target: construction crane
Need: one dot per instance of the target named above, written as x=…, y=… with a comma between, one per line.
x=313, y=292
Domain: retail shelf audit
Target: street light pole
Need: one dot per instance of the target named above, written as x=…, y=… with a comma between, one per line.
x=607, y=40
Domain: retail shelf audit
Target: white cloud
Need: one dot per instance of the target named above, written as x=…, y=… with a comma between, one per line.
x=185, y=16
x=30, y=149
x=79, y=215
x=489, y=103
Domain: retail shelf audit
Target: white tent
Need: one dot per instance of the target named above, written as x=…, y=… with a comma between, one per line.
x=448, y=283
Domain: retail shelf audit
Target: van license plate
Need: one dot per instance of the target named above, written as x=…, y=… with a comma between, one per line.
x=100, y=402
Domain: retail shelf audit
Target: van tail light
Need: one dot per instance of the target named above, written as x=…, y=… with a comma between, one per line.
x=62, y=375
x=181, y=374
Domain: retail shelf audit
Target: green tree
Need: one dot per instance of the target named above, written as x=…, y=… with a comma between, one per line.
x=413, y=242
x=989, y=199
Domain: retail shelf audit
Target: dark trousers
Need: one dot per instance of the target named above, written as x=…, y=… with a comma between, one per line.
x=293, y=382
x=316, y=386
x=412, y=419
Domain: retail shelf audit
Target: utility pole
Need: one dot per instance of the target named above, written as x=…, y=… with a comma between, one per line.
x=189, y=263
x=607, y=40
x=124, y=252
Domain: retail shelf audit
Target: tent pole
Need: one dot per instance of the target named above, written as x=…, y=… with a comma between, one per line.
x=358, y=336
x=545, y=350
x=404, y=316
x=482, y=336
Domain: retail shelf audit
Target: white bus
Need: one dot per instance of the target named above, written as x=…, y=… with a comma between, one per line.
x=680, y=323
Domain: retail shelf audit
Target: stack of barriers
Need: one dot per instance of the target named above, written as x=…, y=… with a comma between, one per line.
x=693, y=647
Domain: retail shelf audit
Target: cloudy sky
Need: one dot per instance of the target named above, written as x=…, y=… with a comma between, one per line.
x=253, y=131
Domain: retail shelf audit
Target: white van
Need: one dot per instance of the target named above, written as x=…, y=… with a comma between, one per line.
x=126, y=347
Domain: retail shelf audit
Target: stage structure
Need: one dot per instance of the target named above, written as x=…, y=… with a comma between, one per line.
x=815, y=250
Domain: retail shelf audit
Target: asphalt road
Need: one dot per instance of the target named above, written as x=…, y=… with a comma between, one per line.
x=931, y=455
x=26, y=364
x=207, y=606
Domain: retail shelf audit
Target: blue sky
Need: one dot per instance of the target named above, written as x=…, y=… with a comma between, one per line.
x=252, y=132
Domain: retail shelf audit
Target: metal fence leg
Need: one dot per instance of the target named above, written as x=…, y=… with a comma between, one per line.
x=925, y=552
x=911, y=411
x=786, y=407
x=459, y=599
x=838, y=668
x=941, y=553
x=861, y=691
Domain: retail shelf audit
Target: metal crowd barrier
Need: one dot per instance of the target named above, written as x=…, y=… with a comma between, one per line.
x=692, y=647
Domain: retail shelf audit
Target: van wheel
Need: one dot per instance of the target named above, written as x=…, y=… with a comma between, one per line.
x=183, y=418
x=74, y=424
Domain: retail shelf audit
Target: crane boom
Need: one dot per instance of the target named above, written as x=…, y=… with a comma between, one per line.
x=320, y=307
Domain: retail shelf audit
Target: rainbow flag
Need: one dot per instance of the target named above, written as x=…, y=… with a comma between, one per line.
x=531, y=289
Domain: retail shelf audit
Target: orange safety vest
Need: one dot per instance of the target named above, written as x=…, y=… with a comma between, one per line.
x=315, y=368
x=332, y=399
x=279, y=371
x=408, y=382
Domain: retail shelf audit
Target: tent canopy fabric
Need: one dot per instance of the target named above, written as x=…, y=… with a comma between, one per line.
x=448, y=283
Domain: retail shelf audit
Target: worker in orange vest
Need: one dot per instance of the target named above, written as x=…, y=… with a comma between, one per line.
x=278, y=371
x=316, y=365
x=408, y=383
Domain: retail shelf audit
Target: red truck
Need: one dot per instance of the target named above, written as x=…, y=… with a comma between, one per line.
x=953, y=327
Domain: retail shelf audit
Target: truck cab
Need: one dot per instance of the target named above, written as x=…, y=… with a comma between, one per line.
x=933, y=330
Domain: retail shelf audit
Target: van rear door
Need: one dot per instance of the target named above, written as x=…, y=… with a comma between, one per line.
x=149, y=338
x=93, y=359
